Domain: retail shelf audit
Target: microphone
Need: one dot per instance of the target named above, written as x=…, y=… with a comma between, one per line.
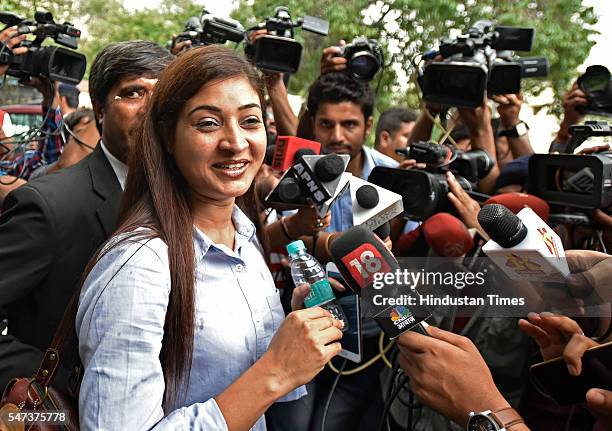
x=289, y=149
x=523, y=245
x=319, y=176
x=373, y=206
x=517, y=201
x=362, y=258
x=443, y=233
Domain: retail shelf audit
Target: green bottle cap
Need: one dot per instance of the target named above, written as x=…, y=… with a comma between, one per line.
x=295, y=246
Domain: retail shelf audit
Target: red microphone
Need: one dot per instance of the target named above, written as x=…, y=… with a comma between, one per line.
x=515, y=202
x=443, y=233
x=286, y=148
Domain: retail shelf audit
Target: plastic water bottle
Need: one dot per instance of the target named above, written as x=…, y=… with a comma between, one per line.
x=305, y=269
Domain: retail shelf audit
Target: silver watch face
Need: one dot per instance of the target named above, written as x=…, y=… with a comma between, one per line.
x=481, y=422
x=521, y=129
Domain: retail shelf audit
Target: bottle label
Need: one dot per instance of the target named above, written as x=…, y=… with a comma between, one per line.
x=320, y=292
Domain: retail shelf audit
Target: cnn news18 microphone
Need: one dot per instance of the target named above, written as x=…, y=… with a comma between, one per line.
x=443, y=233
x=288, y=149
x=522, y=245
x=360, y=257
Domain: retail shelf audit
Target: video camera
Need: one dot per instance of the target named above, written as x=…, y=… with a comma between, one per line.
x=579, y=181
x=480, y=61
x=439, y=158
x=364, y=58
x=53, y=62
x=209, y=29
x=279, y=51
x=596, y=84
x=423, y=193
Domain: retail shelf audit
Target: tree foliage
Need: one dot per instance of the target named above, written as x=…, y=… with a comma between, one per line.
x=404, y=28
x=409, y=27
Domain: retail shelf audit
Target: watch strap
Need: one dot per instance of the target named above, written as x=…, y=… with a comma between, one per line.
x=507, y=417
x=513, y=132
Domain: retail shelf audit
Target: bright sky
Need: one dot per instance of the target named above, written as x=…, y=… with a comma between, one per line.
x=543, y=126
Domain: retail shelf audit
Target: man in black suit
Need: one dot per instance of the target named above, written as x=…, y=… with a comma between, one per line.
x=51, y=226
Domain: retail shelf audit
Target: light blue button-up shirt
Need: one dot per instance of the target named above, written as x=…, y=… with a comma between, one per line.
x=120, y=324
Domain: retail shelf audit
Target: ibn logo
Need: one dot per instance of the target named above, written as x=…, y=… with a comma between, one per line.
x=399, y=313
x=549, y=241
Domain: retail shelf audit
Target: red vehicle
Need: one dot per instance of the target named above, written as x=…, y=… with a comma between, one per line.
x=24, y=117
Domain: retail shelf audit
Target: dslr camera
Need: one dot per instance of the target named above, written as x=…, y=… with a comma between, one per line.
x=52, y=62
x=209, y=29
x=577, y=181
x=472, y=165
x=596, y=84
x=364, y=58
x=279, y=51
x=424, y=192
x=479, y=61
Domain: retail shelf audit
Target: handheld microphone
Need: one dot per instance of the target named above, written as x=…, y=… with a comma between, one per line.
x=362, y=258
x=515, y=202
x=289, y=149
x=372, y=205
x=443, y=233
x=320, y=176
x=522, y=245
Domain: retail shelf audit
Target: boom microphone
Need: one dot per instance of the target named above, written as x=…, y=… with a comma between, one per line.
x=522, y=245
x=359, y=256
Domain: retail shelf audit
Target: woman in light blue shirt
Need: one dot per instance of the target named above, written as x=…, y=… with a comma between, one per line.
x=179, y=323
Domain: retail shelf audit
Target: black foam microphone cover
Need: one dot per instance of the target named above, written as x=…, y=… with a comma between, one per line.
x=367, y=196
x=329, y=167
x=383, y=230
x=303, y=152
x=289, y=190
x=502, y=225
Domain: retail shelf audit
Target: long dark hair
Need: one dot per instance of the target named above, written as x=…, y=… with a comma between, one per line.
x=157, y=196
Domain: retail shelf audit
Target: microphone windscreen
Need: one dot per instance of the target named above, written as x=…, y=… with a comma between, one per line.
x=303, y=152
x=329, y=167
x=367, y=196
x=383, y=230
x=502, y=225
x=354, y=251
x=517, y=201
x=289, y=190
x=412, y=244
x=447, y=235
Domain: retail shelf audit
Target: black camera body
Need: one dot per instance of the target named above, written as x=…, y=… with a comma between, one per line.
x=439, y=158
x=53, y=62
x=596, y=83
x=477, y=62
x=578, y=181
x=279, y=51
x=423, y=193
x=209, y=29
x=364, y=58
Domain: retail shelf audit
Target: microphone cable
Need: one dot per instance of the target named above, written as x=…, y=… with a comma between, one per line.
x=331, y=393
x=381, y=354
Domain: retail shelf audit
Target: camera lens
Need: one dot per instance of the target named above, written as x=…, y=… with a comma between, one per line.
x=363, y=66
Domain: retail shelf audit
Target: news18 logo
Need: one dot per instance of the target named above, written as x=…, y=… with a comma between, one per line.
x=363, y=263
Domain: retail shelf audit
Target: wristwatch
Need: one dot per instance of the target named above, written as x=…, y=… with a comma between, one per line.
x=517, y=131
x=501, y=420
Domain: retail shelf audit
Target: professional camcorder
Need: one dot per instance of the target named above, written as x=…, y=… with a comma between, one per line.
x=579, y=181
x=209, y=29
x=53, y=62
x=364, y=58
x=479, y=61
x=423, y=193
x=597, y=85
x=279, y=51
x=439, y=158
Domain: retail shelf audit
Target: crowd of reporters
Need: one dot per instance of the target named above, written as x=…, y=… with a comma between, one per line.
x=61, y=201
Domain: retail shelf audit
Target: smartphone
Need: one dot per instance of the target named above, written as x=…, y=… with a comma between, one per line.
x=553, y=378
x=351, y=338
